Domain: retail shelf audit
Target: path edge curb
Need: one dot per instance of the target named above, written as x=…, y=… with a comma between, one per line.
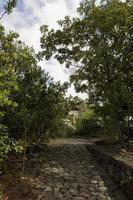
x=121, y=172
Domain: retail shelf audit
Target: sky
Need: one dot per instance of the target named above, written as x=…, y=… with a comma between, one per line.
x=27, y=18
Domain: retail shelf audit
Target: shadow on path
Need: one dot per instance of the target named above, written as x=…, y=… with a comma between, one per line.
x=69, y=172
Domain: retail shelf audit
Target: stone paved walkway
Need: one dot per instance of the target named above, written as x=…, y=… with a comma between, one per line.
x=71, y=173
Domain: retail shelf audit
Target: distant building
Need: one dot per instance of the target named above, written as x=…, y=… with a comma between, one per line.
x=74, y=114
x=77, y=110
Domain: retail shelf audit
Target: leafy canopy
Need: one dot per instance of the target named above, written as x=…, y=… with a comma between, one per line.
x=97, y=48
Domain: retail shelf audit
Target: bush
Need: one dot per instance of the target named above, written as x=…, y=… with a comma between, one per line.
x=87, y=124
x=64, y=128
x=88, y=127
x=7, y=144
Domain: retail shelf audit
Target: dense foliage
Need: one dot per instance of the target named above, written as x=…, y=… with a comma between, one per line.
x=7, y=85
x=31, y=103
x=98, y=48
x=88, y=124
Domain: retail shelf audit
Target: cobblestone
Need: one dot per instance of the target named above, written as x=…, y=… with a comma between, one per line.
x=71, y=173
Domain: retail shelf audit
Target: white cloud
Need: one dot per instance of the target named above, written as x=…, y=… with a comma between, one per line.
x=27, y=21
x=57, y=71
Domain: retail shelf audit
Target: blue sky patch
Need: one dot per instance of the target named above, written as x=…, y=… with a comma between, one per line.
x=20, y=5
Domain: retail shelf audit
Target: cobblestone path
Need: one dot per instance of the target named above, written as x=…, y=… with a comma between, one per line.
x=71, y=173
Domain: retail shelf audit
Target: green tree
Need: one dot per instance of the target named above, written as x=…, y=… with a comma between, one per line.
x=97, y=47
x=31, y=103
x=8, y=7
x=40, y=101
x=7, y=85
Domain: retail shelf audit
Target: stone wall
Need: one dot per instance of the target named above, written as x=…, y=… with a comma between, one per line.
x=118, y=170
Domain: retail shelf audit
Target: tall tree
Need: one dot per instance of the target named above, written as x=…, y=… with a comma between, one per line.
x=97, y=47
x=38, y=98
x=7, y=85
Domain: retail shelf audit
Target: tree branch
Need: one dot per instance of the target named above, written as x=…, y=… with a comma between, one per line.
x=2, y=15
